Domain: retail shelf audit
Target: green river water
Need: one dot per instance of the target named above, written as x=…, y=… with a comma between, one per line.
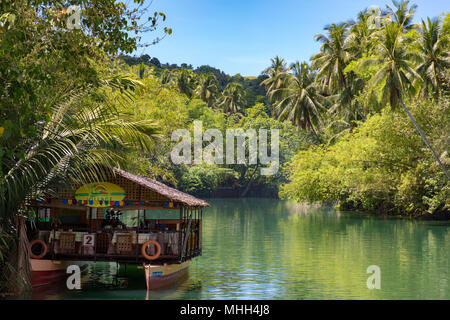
x=272, y=249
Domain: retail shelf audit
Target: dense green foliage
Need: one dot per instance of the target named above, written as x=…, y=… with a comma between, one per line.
x=62, y=105
x=69, y=106
x=369, y=155
x=381, y=166
x=357, y=146
x=253, y=92
x=164, y=100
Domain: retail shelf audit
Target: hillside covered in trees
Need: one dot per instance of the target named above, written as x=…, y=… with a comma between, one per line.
x=347, y=109
x=253, y=91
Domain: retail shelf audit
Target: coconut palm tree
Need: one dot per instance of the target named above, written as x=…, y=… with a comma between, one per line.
x=345, y=103
x=233, y=98
x=278, y=74
x=395, y=71
x=186, y=81
x=208, y=88
x=360, y=34
x=433, y=56
x=402, y=14
x=333, y=57
x=301, y=99
x=346, y=109
x=167, y=76
x=396, y=75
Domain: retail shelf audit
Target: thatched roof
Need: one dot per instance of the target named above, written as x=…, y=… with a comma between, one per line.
x=162, y=189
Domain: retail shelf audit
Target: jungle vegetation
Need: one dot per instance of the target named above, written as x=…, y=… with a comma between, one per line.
x=348, y=107
x=72, y=101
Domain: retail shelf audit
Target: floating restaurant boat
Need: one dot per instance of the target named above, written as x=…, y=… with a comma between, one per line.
x=126, y=218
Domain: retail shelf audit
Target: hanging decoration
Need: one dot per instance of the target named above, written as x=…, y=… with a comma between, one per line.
x=116, y=203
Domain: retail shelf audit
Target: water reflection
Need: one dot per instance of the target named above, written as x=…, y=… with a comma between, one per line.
x=271, y=249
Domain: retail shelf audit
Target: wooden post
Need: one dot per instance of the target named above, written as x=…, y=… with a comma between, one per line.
x=145, y=223
x=54, y=239
x=147, y=276
x=186, y=235
x=90, y=230
x=137, y=234
x=180, y=231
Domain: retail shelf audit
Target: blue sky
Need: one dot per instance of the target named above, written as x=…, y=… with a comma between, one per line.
x=242, y=36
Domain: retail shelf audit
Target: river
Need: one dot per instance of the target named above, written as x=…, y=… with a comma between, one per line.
x=273, y=249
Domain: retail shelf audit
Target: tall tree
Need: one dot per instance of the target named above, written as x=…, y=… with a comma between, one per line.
x=360, y=34
x=434, y=56
x=186, y=81
x=333, y=57
x=278, y=75
x=208, y=88
x=233, y=98
x=396, y=75
x=395, y=69
x=301, y=100
x=402, y=14
x=167, y=76
x=43, y=62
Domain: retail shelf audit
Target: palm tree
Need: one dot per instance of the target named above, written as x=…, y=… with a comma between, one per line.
x=233, y=98
x=208, y=88
x=300, y=101
x=167, y=76
x=85, y=130
x=360, y=36
x=401, y=14
x=333, y=57
x=434, y=57
x=395, y=72
x=278, y=75
x=345, y=103
x=396, y=76
x=186, y=81
x=85, y=133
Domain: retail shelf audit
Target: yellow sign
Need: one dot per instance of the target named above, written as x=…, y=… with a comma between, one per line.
x=100, y=194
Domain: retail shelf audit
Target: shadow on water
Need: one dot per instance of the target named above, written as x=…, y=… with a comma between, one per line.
x=272, y=249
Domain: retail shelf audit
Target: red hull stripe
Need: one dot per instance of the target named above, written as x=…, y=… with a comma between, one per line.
x=41, y=278
x=161, y=281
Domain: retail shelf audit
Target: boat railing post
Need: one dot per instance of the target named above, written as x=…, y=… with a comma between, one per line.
x=137, y=235
x=147, y=275
x=186, y=235
x=53, y=244
x=90, y=229
x=180, y=231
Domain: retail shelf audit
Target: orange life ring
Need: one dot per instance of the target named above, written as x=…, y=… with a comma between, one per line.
x=44, y=249
x=146, y=245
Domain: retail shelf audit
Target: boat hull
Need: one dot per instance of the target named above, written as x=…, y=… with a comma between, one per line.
x=159, y=276
x=45, y=272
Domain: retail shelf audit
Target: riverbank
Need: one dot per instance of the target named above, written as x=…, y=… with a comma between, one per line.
x=255, y=248
x=439, y=215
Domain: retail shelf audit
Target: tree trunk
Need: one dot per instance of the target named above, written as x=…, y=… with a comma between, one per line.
x=425, y=139
x=247, y=188
x=19, y=259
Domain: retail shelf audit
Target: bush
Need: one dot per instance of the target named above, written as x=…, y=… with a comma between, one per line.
x=382, y=166
x=203, y=180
